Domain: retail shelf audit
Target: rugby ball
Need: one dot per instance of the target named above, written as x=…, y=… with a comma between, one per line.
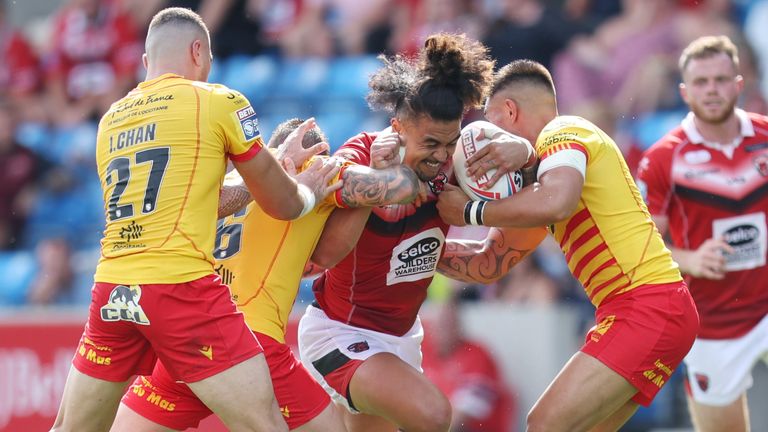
x=474, y=137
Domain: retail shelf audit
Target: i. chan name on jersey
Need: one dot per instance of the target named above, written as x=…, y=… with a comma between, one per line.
x=130, y=137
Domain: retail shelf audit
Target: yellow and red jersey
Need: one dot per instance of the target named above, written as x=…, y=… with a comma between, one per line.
x=262, y=259
x=610, y=242
x=161, y=153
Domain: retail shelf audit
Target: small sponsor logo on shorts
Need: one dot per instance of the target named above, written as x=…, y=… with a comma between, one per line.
x=285, y=411
x=602, y=327
x=124, y=305
x=660, y=374
x=207, y=351
x=93, y=353
x=702, y=380
x=358, y=347
x=147, y=393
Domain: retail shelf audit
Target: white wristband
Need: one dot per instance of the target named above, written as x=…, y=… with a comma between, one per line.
x=473, y=213
x=307, y=197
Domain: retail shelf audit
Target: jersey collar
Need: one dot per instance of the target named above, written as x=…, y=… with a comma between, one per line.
x=745, y=126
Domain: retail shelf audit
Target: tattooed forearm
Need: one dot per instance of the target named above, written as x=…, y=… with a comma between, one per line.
x=365, y=187
x=233, y=198
x=488, y=261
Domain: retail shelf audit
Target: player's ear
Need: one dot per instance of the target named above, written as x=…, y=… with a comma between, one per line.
x=396, y=125
x=512, y=109
x=144, y=61
x=197, y=51
x=683, y=92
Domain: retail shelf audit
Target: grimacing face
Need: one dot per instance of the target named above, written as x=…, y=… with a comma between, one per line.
x=429, y=143
x=711, y=87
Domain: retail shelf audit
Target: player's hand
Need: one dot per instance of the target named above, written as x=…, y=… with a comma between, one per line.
x=450, y=205
x=505, y=153
x=292, y=148
x=319, y=175
x=385, y=150
x=708, y=261
x=423, y=194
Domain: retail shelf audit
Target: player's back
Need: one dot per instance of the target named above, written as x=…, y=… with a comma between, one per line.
x=161, y=154
x=610, y=242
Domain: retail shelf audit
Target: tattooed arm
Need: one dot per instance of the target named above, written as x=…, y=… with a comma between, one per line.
x=487, y=261
x=367, y=187
x=363, y=189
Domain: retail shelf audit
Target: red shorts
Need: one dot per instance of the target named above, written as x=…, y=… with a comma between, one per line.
x=173, y=405
x=194, y=327
x=644, y=334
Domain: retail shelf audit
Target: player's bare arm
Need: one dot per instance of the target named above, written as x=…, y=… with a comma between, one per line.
x=487, y=261
x=552, y=199
x=366, y=187
x=279, y=195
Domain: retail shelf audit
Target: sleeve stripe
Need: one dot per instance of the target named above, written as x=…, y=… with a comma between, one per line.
x=248, y=155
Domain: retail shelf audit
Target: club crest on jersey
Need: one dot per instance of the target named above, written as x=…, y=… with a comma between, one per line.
x=437, y=184
x=124, y=305
x=249, y=124
x=761, y=164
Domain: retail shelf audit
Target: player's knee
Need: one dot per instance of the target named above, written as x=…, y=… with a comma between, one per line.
x=435, y=416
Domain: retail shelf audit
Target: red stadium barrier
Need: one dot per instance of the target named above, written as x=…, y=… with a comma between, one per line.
x=36, y=351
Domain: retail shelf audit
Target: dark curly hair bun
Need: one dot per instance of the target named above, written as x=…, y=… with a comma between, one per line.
x=451, y=74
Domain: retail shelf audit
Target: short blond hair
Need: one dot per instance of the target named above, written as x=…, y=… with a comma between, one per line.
x=708, y=46
x=178, y=16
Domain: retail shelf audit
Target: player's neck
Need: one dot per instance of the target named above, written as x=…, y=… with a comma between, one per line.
x=155, y=72
x=722, y=133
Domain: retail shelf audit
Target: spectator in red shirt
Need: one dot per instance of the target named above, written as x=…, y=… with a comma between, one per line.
x=94, y=60
x=468, y=375
x=20, y=75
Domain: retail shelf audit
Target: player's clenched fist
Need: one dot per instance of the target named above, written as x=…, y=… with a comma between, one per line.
x=385, y=150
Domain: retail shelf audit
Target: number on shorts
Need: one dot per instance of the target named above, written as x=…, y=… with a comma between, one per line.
x=158, y=157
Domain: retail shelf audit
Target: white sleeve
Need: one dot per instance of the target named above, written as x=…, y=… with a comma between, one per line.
x=568, y=157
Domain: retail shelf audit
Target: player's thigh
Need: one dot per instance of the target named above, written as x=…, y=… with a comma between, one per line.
x=387, y=386
x=88, y=404
x=584, y=393
x=330, y=419
x=733, y=417
x=128, y=420
x=242, y=394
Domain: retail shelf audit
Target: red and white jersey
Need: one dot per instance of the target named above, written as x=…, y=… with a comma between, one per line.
x=711, y=190
x=91, y=53
x=383, y=281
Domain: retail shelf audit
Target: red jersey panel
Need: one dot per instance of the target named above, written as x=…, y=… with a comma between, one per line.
x=383, y=281
x=710, y=190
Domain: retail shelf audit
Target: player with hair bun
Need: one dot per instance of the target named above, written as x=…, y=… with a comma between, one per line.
x=361, y=339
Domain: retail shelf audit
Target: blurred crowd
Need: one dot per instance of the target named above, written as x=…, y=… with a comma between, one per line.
x=614, y=63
